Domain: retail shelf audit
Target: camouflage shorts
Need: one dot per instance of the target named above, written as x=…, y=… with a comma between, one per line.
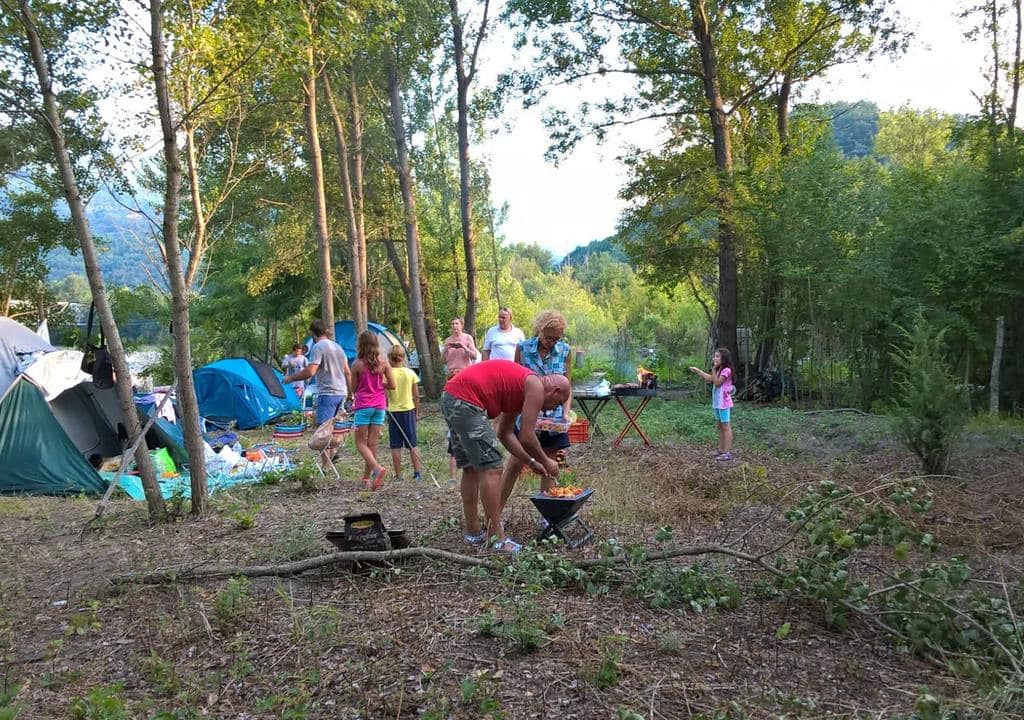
x=474, y=444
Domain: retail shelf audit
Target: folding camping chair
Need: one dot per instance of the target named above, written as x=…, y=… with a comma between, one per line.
x=342, y=428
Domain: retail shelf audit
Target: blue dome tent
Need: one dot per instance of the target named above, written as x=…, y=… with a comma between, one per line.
x=246, y=391
x=345, y=335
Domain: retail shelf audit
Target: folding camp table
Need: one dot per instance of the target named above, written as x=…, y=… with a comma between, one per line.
x=645, y=395
x=591, y=404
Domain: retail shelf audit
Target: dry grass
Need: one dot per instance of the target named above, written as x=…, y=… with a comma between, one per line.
x=404, y=642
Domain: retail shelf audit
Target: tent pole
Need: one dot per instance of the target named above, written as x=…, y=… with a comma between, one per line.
x=126, y=457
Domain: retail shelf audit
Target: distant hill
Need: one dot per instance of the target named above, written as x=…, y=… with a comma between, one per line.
x=854, y=126
x=124, y=238
x=579, y=255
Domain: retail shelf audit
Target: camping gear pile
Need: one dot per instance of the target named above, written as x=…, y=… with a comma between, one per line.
x=61, y=432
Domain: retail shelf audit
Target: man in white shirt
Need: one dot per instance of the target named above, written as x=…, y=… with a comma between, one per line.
x=501, y=340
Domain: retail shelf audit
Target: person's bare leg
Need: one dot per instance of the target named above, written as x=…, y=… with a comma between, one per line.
x=417, y=462
x=470, y=490
x=396, y=460
x=509, y=477
x=490, y=494
x=363, y=448
x=452, y=469
x=726, y=441
x=721, y=437
x=373, y=441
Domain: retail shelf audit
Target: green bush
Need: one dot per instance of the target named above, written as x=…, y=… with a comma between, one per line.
x=101, y=703
x=930, y=410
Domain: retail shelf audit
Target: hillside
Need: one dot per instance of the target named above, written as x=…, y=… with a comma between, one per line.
x=124, y=238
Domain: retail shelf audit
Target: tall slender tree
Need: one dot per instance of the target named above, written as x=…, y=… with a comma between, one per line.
x=316, y=168
x=429, y=372
x=465, y=73
x=41, y=104
x=180, y=325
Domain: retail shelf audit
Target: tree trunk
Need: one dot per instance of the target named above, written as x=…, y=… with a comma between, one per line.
x=782, y=113
x=773, y=282
x=997, y=361
x=355, y=246
x=430, y=320
x=428, y=372
x=728, y=299
x=357, y=189
x=319, y=199
x=199, y=219
x=463, y=80
x=396, y=263
x=54, y=128
x=186, y=392
x=1015, y=73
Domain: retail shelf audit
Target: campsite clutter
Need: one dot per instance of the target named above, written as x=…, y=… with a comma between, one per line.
x=59, y=431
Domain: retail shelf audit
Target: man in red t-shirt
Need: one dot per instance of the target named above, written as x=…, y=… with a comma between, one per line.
x=496, y=389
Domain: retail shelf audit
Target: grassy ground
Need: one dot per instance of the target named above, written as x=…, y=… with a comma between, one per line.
x=430, y=640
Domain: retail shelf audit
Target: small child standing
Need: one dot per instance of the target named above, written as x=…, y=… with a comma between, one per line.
x=294, y=364
x=721, y=399
x=403, y=412
x=371, y=376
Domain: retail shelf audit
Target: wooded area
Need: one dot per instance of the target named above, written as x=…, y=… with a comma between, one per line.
x=231, y=169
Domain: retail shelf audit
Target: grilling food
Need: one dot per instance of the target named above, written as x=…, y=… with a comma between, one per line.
x=569, y=491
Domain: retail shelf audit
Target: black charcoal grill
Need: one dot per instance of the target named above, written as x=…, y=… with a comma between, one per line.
x=562, y=515
x=362, y=532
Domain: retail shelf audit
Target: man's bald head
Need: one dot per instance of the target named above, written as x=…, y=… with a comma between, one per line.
x=556, y=390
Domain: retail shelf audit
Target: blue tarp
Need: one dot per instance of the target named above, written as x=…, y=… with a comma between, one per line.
x=180, y=486
x=232, y=389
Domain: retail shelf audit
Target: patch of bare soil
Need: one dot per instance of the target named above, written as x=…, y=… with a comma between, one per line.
x=411, y=641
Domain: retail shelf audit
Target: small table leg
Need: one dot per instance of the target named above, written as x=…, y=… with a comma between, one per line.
x=591, y=412
x=631, y=420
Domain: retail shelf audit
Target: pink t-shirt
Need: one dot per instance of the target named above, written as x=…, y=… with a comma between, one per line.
x=459, y=358
x=370, y=393
x=721, y=396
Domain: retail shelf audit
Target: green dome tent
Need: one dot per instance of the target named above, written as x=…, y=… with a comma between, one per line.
x=37, y=456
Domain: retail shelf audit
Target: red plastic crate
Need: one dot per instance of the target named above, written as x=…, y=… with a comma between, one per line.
x=579, y=432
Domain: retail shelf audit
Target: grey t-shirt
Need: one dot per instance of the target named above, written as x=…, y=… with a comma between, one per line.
x=330, y=376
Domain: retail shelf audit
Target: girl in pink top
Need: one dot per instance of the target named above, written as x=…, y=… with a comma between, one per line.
x=371, y=376
x=721, y=399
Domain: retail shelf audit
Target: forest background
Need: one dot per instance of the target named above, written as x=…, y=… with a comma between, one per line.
x=842, y=223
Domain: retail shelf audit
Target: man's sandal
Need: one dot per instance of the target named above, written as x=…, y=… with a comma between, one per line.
x=477, y=539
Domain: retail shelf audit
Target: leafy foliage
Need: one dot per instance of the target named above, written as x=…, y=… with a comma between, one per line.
x=930, y=409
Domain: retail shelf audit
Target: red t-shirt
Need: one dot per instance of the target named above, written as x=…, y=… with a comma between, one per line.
x=494, y=385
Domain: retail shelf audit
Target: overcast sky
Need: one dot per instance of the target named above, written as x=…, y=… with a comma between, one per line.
x=577, y=202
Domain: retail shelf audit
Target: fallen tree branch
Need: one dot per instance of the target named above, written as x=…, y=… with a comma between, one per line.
x=858, y=411
x=296, y=567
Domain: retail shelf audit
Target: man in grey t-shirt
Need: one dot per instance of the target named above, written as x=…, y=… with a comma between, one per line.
x=328, y=363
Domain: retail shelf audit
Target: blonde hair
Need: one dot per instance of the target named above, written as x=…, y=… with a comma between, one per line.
x=548, y=319
x=396, y=355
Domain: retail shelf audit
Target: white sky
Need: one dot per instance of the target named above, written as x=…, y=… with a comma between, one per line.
x=577, y=202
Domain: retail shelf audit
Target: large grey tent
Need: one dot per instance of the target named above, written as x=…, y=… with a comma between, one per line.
x=45, y=447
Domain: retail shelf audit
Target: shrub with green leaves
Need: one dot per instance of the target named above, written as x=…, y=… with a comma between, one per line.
x=100, y=703
x=930, y=408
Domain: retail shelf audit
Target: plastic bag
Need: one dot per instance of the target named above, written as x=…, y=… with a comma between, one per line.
x=322, y=436
x=162, y=463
